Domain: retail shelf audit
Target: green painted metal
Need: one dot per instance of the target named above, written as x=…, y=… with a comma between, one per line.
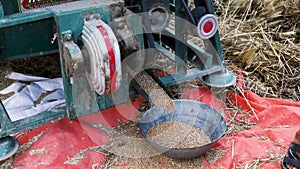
x=7, y=127
x=224, y=77
x=191, y=74
x=35, y=121
x=24, y=18
x=215, y=40
x=80, y=99
x=11, y=7
x=180, y=39
x=135, y=22
x=26, y=35
x=72, y=21
x=178, y=78
x=1, y=11
x=16, y=44
x=31, y=33
x=5, y=123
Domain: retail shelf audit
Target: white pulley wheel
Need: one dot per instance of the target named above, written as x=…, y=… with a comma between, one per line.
x=104, y=55
x=94, y=74
x=97, y=52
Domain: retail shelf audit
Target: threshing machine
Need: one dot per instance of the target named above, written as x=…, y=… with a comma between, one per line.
x=100, y=42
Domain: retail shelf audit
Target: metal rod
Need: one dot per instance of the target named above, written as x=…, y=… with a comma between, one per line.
x=180, y=39
x=187, y=11
x=215, y=40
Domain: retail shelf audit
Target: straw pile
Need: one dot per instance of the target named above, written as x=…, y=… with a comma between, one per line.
x=263, y=38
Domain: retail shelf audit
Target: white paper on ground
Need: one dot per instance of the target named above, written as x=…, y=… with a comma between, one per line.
x=27, y=90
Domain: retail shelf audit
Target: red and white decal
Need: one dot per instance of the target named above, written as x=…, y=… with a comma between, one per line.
x=207, y=26
x=114, y=54
x=112, y=61
x=25, y=5
x=105, y=56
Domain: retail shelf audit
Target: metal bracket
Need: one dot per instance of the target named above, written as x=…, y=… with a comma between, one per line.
x=71, y=54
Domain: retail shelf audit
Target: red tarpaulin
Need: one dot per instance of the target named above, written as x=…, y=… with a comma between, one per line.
x=276, y=122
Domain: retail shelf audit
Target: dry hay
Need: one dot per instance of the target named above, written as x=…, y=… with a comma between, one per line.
x=263, y=38
x=235, y=124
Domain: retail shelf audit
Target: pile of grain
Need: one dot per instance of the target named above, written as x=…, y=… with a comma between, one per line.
x=178, y=135
x=156, y=94
x=157, y=161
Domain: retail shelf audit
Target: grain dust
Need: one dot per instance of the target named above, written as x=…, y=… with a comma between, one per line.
x=157, y=95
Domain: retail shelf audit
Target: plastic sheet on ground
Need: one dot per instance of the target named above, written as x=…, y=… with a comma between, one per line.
x=27, y=95
x=274, y=121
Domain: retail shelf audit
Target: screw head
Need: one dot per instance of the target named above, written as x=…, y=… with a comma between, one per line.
x=96, y=16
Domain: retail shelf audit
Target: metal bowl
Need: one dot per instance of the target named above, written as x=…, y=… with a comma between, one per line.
x=192, y=112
